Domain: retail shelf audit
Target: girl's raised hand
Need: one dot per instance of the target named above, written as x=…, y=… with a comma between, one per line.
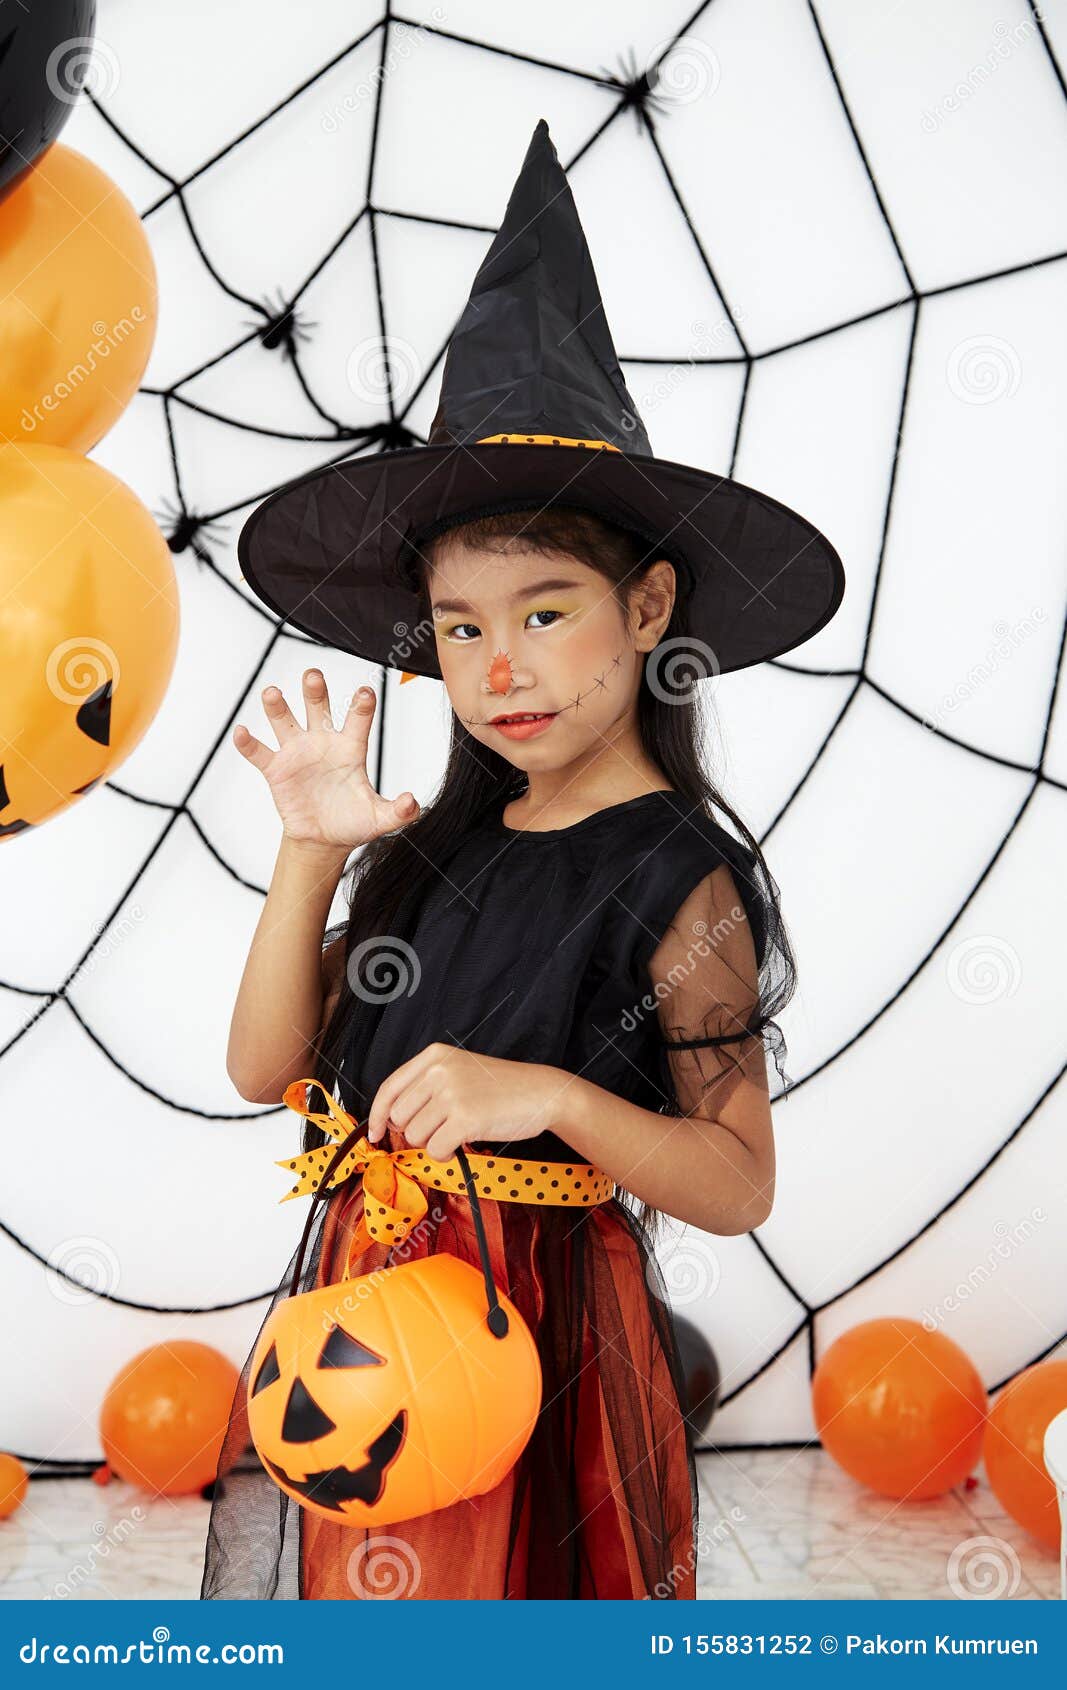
x=318, y=775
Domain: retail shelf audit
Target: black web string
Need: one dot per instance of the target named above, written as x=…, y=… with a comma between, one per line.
x=279, y=328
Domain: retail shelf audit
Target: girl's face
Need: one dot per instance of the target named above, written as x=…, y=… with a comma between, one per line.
x=523, y=634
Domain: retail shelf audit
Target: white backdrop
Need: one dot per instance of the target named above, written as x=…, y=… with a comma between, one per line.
x=833, y=268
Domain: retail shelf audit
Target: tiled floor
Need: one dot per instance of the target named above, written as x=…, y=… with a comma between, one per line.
x=773, y=1523
x=791, y=1524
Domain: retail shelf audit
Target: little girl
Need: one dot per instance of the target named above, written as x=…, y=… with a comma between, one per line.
x=579, y=949
x=565, y=956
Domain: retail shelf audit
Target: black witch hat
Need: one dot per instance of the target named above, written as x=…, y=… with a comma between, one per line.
x=534, y=411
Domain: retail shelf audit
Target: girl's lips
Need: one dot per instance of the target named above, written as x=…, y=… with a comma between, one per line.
x=524, y=730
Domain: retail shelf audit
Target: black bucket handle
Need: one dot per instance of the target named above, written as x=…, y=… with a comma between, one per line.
x=496, y=1317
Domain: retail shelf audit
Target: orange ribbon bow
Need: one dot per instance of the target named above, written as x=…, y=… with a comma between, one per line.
x=394, y=1200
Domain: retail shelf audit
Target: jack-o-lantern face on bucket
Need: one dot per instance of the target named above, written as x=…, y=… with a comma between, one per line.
x=306, y=1421
x=387, y=1396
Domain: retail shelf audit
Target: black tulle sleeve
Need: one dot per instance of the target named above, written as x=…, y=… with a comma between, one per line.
x=711, y=1024
x=712, y=948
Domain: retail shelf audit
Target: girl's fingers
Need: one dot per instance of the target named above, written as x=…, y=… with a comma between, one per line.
x=279, y=715
x=258, y=754
x=316, y=699
x=356, y=726
x=405, y=807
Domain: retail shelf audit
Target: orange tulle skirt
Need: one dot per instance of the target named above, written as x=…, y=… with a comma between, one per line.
x=588, y=1539
x=602, y=1502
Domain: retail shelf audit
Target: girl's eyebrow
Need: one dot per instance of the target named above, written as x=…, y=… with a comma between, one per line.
x=554, y=584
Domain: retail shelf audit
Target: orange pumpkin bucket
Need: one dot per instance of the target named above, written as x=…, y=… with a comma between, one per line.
x=393, y=1393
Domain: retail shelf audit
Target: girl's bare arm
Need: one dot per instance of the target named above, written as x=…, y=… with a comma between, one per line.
x=281, y=1006
x=328, y=806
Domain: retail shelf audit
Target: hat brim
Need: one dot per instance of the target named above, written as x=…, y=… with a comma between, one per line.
x=323, y=550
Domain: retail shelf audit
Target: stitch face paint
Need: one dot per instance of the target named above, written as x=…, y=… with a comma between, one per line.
x=538, y=656
x=600, y=684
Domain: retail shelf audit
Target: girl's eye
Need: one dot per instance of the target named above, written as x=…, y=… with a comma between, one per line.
x=456, y=632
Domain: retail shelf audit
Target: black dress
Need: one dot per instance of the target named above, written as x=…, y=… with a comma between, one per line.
x=535, y=946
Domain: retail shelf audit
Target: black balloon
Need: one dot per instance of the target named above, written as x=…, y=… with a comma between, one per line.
x=701, y=1372
x=45, y=47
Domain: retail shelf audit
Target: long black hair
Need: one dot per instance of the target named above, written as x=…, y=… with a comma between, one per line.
x=386, y=880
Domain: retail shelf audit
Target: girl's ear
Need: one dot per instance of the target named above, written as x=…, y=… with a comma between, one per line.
x=651, y=604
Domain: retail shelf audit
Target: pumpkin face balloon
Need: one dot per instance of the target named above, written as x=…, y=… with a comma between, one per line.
x=386, y=1396
x=88, y=629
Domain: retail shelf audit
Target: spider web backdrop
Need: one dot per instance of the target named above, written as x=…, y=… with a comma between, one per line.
x=832, y=256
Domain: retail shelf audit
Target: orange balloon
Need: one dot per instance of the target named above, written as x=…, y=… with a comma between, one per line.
x=165, y=1415
x=14, y=1483
x=1014, y=1448
x=88, y=628
x=77, y=303
x=899, y=1408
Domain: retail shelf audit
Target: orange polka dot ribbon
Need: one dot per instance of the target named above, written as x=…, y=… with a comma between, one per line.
x=394, y=1200
x=543, y=440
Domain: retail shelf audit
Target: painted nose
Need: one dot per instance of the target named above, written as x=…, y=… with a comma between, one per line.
x=500, y=677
